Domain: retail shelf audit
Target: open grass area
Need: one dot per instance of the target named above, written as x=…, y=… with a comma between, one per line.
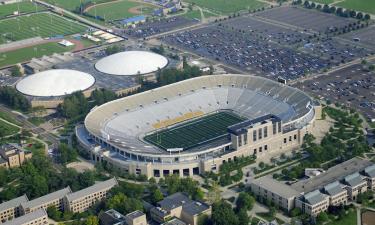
x=25, y=54
x=269, y=218
x=119, y=10
x=349, y=219
x=359, y=5
x=42, y=24
x=324, y=1
x=195, y=132
x=196, y=14
x=7, y=129
x=228, y=6
x=21, y=7
x=66, y=4
x=7, y=117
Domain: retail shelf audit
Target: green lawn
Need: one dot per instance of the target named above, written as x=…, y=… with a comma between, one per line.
x=25, y=54
x=118, y=10
x=22, y=7
x=228, y=6
x=42, y=24
x=360, y=5
x=66, y=4
x=349, y=219
x=192, y=133
x=269, y=218
x=7, y=129
x=7, y=117
x=324, y=1
x=196, y=14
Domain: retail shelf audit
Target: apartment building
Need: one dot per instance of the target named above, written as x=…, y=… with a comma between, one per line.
x=369, y=174
x=313, y=203
x=355, y=185
x=53, y=199
x=83, y=199
x=11, y=209
x=278, y=193
x=38, y=217
x=179, y=206
x=13, y=155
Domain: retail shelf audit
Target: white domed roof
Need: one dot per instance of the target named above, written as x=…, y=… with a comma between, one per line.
x=131, y=63
x=55, y=83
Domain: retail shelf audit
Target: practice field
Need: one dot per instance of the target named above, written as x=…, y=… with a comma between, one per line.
x=228, y=6
x=22, y=7
x=120, y=9
x=360, y=5
x=195, y=132
x=25, y=54
x=41, y=24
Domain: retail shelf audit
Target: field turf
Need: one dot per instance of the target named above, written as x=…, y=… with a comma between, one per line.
x=118, y=10
x=195, y=132
x=359, y=5
x=23, y=7
x=228, y=6
x=25, y=54
x=41, y=24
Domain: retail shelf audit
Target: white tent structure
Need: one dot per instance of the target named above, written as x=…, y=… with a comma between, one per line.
x=131, y=63
x=53, y=83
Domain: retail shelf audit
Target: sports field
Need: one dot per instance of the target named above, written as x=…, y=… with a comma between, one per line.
x=25, y=54
x=41, y=24
x=359, y=5
x=195, y=132
x=120, y=9
x=228, y=6
x=22, y=7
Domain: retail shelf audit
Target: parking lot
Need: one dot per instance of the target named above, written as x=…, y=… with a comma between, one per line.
x=351, y=86
x=308, y=19
x=159, y=26
x=246, y=51
x=364, y=36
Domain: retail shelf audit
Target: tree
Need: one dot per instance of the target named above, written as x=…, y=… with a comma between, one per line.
x=124, y=204
x=12, y=98
x=112, y=50
x=245, y=201
x=53, y=213
x=157, y=196
x=243, y=218
x=322, y=217
x=367, y=17
x=223, y=214
x=16, y=71
x=272, y=211
x=92, y=220
x=66, y=153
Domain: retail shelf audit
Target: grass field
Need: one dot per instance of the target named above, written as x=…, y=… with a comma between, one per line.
x=349, y=219
x=118, y=10
x=9, y=118
x=195, y=132
x=22, y=7
x=66, y=4
x=196, y=14
x=7, y=129
x=360, y=5
x=25, y=54
x=41, y=24
x=324, y=1
x=228, y=6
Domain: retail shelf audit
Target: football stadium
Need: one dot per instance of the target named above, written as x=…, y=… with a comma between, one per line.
x=194, y=126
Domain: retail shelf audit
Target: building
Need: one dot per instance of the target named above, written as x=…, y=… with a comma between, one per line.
x=369, y=173
x=337, y=193
x=13, y=155
x=174, y=221
x=355, y=185
x=11, y=209
x=180, y=206
x=55, y=199
x=38, y=217
x=136, y=218
x=112, y=217
x=313, y=203
x=276, y=118
x=278, y=193
x=81, y=200
x=133, y=20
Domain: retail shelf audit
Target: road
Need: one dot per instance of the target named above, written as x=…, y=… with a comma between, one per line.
x=34, y=129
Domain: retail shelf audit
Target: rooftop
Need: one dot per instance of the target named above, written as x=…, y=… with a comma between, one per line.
x=314, y=197
x=333, y=188
x=275, y=186
x=27, y=218
x=134, y=214
x=242, y=127
x=46, y=198
x=335, y=173
x=13, y=203
x=353, y=179
x=174, y=221
x=92, y=189
x=370, y=171
x=188, y=206
x=111, y=217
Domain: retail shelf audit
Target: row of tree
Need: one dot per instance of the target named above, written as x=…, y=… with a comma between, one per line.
x=12, y=98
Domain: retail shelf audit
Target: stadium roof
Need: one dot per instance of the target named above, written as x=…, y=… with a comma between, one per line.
x=53, y=83
x=131, y=63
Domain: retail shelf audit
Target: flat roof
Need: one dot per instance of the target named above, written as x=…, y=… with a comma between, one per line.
x=54, y=83
x=13, y=203
x=131, y=63
x=27, y=218
x=335, y=173
x=275, y=186
x=92, y=189
x=46, y=198
x=241, y=128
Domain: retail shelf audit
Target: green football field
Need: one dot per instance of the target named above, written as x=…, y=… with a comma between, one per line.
x=25, y=54
x=228, y=6
x=22, y=7
x=194, y=132
x=119, y=10
x=41, y=24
